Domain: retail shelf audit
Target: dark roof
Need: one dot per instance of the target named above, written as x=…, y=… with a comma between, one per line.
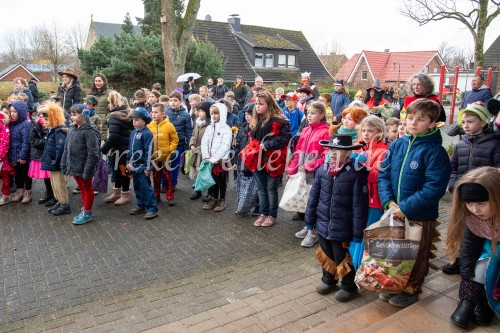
x=13, y=67
x=266, y=40
x=492, y=55
x=111, y=29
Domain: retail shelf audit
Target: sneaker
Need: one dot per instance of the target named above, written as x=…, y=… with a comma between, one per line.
x=81, y=214
x=47, y=197
x=298, y=216
x=151, y=215
x=207, y=198
x=171, y=202
x=61, y=210
x=259, y=221
x=386, y=296
x=309, y=240
x=18, y=196
x=196, y=195
x=210, y=205
x=323, y=288
x=51, y=202
x=256, y=211
x=53, y=207
x=220, y=206
x=302, y=233
x=402, y=300
x=269, y=221
x=96, y=192
x=137, y=210
x=451, y=268
x=4, y=200
x=83, y=218
x=345, y=296
x=158, y=199
x=76, y=190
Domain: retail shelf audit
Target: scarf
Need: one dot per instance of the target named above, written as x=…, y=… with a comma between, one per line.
x=481, y=228
x=200, y=122
x=353, y=132
x=334, y=169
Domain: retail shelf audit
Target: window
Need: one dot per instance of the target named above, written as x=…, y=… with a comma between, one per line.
x=282, y=60
x=291, y=61
x=269, y=60
x=364, y=75
x=259, y=60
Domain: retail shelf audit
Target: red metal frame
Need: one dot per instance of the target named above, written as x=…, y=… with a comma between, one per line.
x=454, y=98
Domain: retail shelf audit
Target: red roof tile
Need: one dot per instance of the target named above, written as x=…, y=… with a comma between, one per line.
x=377, y=62
x=345, y=71
x=406, y=64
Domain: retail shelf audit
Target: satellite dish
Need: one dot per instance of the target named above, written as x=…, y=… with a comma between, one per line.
x=208, y=18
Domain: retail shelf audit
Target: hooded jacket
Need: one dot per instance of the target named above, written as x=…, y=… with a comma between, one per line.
x=81, y=151
x=216, y=142
x=182, y=122
x=339, y=102
x=71, y=95
x=38, y=136
x=198, y=132
x=165, y=139
x=308, y=150
x=481, y=94
x=102, y=109
x=4, y=146
x=20, y=131
x=54, y=149
x=415, y=174
x=119, y=127
x=474, y=152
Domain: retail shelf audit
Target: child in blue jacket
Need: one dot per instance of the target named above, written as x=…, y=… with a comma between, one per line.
x=413, y=178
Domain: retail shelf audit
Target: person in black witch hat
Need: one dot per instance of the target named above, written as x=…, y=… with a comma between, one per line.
x=340, y=186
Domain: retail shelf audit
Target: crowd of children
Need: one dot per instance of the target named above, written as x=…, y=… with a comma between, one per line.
x=357, y=163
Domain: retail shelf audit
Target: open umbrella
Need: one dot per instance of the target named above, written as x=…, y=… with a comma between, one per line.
x=184, y=77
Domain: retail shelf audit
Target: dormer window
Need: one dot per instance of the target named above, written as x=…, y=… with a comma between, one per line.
x=291, y=61
x=259, y=60
x=269, y=60
x=282, y=61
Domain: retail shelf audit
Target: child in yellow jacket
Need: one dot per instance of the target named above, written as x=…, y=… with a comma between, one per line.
x=165, y=142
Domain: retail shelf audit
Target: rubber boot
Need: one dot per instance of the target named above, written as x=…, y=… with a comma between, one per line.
x=125, y=198
x=483, y=314
x=113, y=197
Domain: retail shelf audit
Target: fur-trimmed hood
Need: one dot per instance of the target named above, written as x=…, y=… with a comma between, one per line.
x=121, y=112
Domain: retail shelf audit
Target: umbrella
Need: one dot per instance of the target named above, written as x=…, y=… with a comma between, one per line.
x=184, y=77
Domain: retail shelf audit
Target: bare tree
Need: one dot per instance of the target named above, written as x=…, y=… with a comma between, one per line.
x=176, y=32
x=78, y=37
x=476, y=15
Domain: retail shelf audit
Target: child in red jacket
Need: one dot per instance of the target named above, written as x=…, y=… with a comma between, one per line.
x=5, y=167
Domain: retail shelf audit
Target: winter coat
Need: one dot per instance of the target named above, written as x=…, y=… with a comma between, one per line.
x=414, y=175
x=119, y=128
x=182, y=122
x=338, y=104
x=216, y=141
x=308, y=151
x=28, y=93
x=338, y=206
x=242, y=139
x=139, y=151
x=70, y=96
x=295, y=117
x=474, y=152
x=165, y=139
x=220, y=91
x=240, y=94
x=482, y=94
x=34, y=91
x=38, y=136
x=102, y=109
x=54, y=149
x=20, y=131
x=470, y=252
x=81, y=152
x=195, y=141
x=232, y=120
x=4, y=147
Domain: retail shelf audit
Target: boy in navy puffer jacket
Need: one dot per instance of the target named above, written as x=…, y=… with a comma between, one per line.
x=413, y=178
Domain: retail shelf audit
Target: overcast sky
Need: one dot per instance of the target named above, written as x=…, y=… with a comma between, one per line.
x=347, y=26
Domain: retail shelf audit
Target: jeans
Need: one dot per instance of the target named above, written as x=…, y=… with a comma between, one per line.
x=267, y=188
x=174, y=164
x=144, y=195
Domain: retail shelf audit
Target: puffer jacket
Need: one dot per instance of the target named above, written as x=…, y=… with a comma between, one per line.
x=139, y=152
x=4, y=147
x=482, y=94
x=81, y=152
x=119, y=126
x=242, y=139
x=216, y=141
x=414, y=175
x=70, y=96
x=102, y=109
x=474, y=152
x=338, y=206
x=164, y=138
x=38, y=136
x=54, y=149
x=182, y=122
x=308, y=150
x=470, y=252
x=338, y=104
x=198, y=132
x=30, y=97
x=20, y=130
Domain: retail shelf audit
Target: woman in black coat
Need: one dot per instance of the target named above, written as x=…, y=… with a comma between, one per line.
x=69, y=91
x=240, y=90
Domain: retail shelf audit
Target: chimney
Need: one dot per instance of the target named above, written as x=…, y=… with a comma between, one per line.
x=386, y=50
x=234, y=21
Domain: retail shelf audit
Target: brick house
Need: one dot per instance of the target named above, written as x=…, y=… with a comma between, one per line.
x=390, y=67
x=492, y=59
x=16, y=70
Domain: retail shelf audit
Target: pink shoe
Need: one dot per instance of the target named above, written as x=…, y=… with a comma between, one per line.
x=259, y=221
x=269, y=222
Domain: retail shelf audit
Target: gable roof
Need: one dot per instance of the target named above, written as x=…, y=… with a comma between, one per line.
x=13, y=67
x=270, y=41
x=492, y=55
x=388, y=66
x=111, y=29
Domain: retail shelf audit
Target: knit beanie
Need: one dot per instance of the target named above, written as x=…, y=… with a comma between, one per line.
x=477, y=109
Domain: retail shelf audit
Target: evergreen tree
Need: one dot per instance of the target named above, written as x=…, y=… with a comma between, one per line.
x=205, y=59
x=127, y=26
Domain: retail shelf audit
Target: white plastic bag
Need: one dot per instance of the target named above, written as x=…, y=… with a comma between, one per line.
x=296, y=193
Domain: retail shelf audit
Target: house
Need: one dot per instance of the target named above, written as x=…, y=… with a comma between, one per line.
x=16, y=70
x=103, y=29
x=390, y=67
x=277, y=55
x=492, y=59
x=45, y=72
x=333, y=62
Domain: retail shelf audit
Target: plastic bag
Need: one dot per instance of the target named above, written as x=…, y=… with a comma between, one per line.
x=388, y=258
x=187, y=165
x=204, y=179
x=100, y=181
x=296, y=193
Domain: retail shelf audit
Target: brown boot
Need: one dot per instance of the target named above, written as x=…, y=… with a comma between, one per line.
x=221, y=206
x=18, y=196
x=113, y=197
x=125, y=198
x=211, y=204
x=26, y=197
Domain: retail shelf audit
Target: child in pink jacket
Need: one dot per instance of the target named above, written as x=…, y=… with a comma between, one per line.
x=5, y=167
